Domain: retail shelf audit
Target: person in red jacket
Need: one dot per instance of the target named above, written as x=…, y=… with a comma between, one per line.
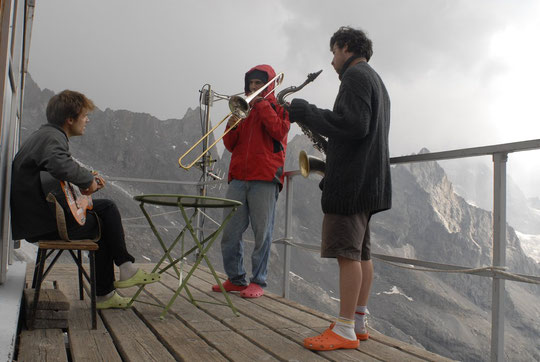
x=256, y=174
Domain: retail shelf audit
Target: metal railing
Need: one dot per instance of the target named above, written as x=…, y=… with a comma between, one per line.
x=499, y=154
x=496, y=271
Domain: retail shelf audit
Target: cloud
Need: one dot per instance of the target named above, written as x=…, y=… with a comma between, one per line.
x=460, y=73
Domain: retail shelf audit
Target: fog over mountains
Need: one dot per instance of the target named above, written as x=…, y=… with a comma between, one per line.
x=446, y=313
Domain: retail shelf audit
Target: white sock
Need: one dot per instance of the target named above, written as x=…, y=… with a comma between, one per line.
x=360, y=319
x=127, y=270
x=345, y=328
x=102, y=298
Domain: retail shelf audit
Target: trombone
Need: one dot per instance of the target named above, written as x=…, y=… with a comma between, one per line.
x=239, y=107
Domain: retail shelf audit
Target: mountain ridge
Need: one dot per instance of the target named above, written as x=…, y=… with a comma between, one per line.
x=447, y=313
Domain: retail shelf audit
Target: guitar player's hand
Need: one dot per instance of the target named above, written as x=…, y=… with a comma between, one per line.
x=100, y=181
x=96, y=185
x=90, y=190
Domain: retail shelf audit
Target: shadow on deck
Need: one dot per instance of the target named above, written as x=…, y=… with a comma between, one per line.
x=268, y=328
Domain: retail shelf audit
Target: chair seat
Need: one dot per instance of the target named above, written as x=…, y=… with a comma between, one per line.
x=68, y=245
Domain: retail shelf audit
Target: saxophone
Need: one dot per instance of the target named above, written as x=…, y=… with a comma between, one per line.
x=319, y=142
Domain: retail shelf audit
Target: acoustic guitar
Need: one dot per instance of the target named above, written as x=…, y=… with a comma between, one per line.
x=69, y=196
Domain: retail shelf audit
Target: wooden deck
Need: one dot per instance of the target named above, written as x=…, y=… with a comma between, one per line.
x=268, y=329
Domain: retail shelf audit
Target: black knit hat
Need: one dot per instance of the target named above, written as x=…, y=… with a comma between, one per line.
x=257, y=74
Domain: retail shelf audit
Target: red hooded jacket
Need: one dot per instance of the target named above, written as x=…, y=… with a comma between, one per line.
x=259, y=142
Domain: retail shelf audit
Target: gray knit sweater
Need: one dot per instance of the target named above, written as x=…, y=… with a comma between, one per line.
x=357, y=174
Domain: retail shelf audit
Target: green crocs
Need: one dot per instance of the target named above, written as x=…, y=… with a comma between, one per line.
x=116, y=301
x=140, y=278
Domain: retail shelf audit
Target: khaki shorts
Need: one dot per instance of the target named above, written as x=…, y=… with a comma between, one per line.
x=346, y=236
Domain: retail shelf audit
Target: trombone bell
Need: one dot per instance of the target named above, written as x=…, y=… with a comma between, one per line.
x=310, y=164
x=239, y=106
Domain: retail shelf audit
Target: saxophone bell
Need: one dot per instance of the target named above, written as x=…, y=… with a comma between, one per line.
x=309, y=164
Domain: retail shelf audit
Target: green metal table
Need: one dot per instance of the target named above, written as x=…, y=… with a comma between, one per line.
x=184, y=202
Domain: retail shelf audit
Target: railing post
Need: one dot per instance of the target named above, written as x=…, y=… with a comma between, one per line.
x=288, y=235
x=499, y=255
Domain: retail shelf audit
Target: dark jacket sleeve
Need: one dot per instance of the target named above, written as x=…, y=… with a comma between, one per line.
x=56, y=159
x=350, y=118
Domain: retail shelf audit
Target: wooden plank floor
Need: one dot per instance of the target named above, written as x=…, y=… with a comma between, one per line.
x=270, y=328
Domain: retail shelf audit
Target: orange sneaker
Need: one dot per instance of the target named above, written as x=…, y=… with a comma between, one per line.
x=329, y=340
x=362, y=336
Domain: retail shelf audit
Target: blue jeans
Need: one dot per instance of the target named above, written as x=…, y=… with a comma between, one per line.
x=258, y=200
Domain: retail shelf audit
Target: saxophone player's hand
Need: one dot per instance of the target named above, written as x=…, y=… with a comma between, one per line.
x=297, y=110
x=286, y=106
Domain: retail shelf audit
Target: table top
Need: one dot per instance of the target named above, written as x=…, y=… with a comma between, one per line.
x=187, y=201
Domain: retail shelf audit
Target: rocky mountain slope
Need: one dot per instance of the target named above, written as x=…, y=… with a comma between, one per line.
x=446, y=313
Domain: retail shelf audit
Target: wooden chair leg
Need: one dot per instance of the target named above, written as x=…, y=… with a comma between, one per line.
x=92, y=257
x=41, y=260
x=91, y=280
x=79, y=266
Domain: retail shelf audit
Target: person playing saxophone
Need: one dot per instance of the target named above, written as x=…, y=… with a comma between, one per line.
x=357, y=181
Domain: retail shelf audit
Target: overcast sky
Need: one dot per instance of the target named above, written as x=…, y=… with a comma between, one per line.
x=460, y=73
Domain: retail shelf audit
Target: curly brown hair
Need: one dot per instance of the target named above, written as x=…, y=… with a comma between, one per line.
x=356, y=40
x=67, y=104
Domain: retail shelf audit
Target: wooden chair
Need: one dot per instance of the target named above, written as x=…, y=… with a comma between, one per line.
x=46, y=248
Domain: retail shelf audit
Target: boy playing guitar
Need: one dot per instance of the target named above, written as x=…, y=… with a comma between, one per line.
x=45, y=155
